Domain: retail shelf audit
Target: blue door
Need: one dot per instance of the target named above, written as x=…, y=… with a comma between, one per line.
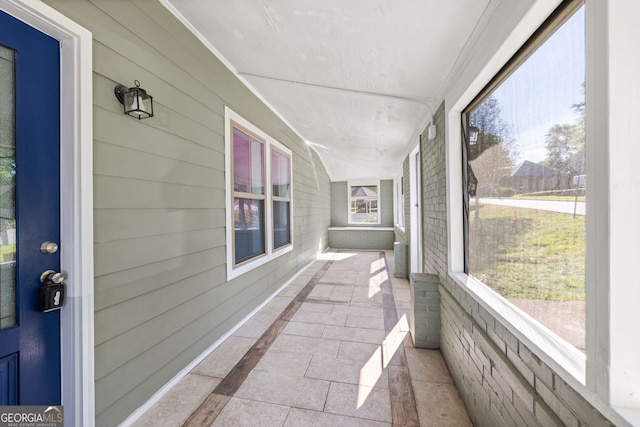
x=29, y=212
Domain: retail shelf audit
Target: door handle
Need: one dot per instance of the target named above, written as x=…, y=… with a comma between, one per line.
x=48, y=248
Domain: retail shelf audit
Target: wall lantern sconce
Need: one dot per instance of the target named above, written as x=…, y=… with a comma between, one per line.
x=135, y=100
x=473, y=134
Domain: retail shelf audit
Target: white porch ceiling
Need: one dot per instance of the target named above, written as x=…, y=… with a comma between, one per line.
x=358, y=80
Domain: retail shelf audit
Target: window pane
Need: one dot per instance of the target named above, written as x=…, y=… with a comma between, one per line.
x=526, y=181
x=248, y=163
x=7, y=190
x=364, y=204
x=280, y=176
x=248, y=220
x=281, y=224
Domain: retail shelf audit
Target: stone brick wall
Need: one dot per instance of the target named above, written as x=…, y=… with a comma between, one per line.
x=502, y=382
x=434, y=202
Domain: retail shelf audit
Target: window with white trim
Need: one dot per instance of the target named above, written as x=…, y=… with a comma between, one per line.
x=364, y=202
x=524, y=151
x=259, y=197
x=281, y=186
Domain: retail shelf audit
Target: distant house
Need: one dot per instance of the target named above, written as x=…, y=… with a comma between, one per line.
x=532, y=177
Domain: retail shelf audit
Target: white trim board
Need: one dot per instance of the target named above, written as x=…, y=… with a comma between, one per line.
x=76, y=201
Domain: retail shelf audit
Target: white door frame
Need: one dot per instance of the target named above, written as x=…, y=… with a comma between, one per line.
x=415, y=215
x=76, y=201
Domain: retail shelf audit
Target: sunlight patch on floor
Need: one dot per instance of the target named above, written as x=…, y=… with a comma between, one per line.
x=378, y=265
x=394, y=340
x=334, y=256
x=369, y=376
x=375, y=285
x=373, y=368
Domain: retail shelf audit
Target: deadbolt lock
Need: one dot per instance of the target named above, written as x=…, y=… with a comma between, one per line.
x=52, y=292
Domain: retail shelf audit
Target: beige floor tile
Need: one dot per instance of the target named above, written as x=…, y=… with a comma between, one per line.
x=376, y=279
x=359, y=372
x=292, y=290
x=296, y=285
x=439, y=405
x=401, y=292
x=320, y=318
x=286, y=390
x=223, y=359
x=326, y=359
x=358, y=350
x=372, y=403
x=294, y=364
x=275, y=306
x=249, y=413
x=304, y=329
x=427, y=365
x=341, y=293
x=365, y=294
x=358, y=311
x=305, y=418
x=365, y=322
x=371, y=336
x=316, y=308
x=306, y=345
x=337, y=277
x=405, y=313
x=403, y=305
x=179, y=403
x=321, y=291
x=365, y=289
x=343, y=266
x=256, y=326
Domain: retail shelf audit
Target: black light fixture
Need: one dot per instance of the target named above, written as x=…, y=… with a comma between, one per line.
x=135, y=100
x=473, y=134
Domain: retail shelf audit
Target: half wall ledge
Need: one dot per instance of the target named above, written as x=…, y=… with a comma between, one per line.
x=361, y=237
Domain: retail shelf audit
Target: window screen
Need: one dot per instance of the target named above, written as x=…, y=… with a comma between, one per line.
x=525, y=179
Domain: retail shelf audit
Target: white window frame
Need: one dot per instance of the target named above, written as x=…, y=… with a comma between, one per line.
x=608, y=375
x=287, y=199
x=235, y=270
x=362, y=183
x=559, y=354
x=398, y=202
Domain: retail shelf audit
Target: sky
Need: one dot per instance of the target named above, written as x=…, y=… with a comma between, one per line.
x=542, y=91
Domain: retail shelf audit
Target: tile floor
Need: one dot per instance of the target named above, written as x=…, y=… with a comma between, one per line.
x=331, y=349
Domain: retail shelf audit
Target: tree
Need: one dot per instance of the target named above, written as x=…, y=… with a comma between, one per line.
x=565, y=144
x=559, y=142
x=492, y=130
x=490, y=169
x=492, y=156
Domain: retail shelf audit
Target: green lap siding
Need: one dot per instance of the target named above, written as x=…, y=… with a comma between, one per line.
x=161, y=295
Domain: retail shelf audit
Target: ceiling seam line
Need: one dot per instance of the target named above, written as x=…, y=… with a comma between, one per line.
x=362, y=92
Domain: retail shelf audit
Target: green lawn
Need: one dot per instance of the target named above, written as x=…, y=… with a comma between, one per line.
x=7, y=252
x=524, y=253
